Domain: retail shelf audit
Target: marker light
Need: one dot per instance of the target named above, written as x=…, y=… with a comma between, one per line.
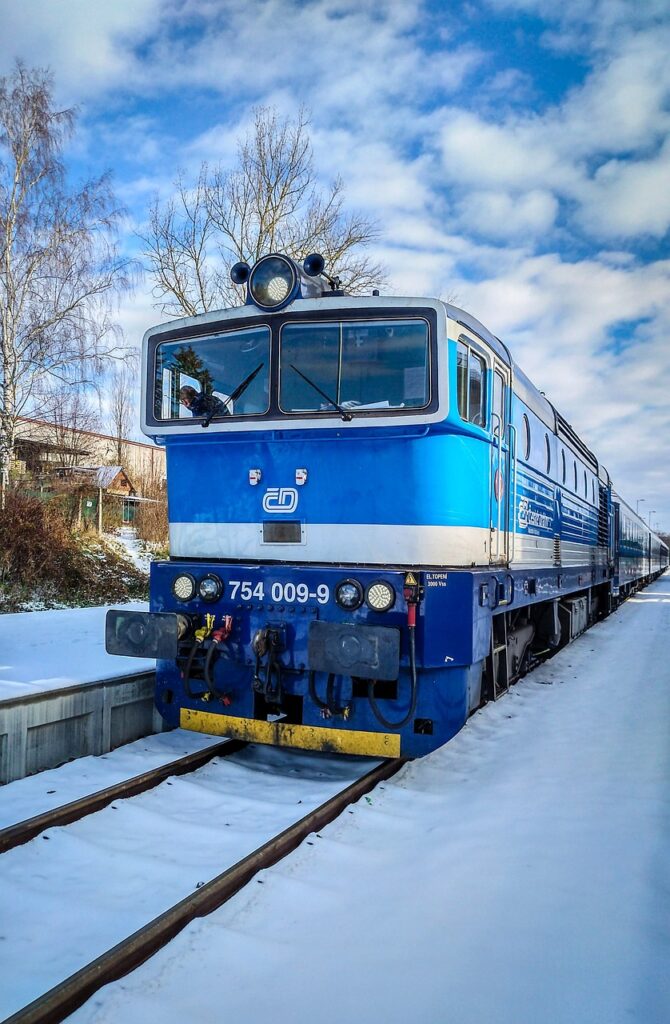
x=210, y=588
x=380, y=596
x=349, y=594
x=272, y=281
x=183, y=587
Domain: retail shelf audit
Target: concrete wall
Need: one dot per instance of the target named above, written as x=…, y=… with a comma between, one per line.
x=46, y=729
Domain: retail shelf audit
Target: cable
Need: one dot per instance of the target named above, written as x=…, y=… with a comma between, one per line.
x=329, y=704
x=187, y=671
x=415, y=691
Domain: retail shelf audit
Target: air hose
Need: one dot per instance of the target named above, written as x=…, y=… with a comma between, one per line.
x=217, y=637
x=412, y=594
x=329, y=704
x=197, y=644
x=415, y=691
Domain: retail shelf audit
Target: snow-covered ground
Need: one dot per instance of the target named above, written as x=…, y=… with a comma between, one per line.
x=125, y=539
x=520, y=874
x=74, y=892
x=49, y=650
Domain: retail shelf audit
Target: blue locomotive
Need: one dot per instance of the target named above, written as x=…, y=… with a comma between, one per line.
x=376, y=520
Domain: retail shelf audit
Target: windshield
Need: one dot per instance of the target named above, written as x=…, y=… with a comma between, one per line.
x=366, y=364
x=226, y=374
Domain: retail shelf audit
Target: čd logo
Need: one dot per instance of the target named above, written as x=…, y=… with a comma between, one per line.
x=280, y=499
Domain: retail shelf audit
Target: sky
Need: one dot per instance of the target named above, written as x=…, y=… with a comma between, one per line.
x=514, y=153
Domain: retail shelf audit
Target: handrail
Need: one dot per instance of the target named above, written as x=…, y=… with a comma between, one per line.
x=513, y=434
x=495, y=416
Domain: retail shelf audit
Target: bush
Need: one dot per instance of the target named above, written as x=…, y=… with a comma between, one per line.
x=43, y=564
x=151, y=522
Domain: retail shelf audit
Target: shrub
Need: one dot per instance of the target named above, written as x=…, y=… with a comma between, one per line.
x=43, y=564
x=151, y=520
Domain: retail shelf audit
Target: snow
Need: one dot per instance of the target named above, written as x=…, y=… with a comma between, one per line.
x=36, y=794
x=99, y=879
x=131, y=547
x=520, y=874
x=49, y=650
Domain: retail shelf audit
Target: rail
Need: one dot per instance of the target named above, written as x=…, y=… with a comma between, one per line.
x=23, y=831
x=64, y=998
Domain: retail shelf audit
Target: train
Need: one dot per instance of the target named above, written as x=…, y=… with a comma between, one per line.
x=377, y=522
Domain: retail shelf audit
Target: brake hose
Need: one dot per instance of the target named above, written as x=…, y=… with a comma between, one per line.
x=329, y=704
x=187, y=671
x=415, y=691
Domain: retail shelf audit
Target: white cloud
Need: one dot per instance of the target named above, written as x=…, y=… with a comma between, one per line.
x=628, y=198
x=603, y=151
x=503, y=215
x=85, y=45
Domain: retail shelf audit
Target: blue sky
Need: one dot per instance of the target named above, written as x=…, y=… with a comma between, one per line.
x=516, y=154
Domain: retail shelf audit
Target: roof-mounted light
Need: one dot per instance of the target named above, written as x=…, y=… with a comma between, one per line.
x=273, y=282
x=276, y=280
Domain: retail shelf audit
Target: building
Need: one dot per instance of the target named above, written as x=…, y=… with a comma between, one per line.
x=41, y=448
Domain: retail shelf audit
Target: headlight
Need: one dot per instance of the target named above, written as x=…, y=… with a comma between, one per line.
x=210, y=588
x=380, y=596
x=349, y=594
x=272, y=281
x=183, y=587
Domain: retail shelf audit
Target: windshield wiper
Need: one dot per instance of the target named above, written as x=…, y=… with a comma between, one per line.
x=346, y=416
x=239, y=390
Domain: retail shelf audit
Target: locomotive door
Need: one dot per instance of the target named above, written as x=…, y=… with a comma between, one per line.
x=500, y=465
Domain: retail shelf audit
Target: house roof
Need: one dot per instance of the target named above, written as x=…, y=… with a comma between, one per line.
x=103, y=476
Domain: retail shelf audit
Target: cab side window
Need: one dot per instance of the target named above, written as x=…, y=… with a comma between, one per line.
x=471, y=385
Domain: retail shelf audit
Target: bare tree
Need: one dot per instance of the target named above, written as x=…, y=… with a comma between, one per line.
x=270, y=202
x=59, y=267
x=122, y=407
x=70, y=418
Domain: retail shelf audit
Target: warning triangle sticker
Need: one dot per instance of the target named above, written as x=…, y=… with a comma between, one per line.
x=410, y=581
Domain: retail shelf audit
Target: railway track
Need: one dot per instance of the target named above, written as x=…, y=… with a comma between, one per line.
x=23, y=831
x=60, y=1000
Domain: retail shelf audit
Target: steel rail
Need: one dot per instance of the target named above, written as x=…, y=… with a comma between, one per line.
x=65, y=998
x=24, y=831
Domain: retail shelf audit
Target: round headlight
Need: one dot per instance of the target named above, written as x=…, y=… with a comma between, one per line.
x=210, y=588
x=380, y=596
x=349, y=594
x=183, y=587
x=272, y=282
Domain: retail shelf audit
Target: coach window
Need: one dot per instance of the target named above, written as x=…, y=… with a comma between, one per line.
x=525, y=436
x=586, y=485
x=563, y=461
x=471, y=385
x=548, y=450
x=574, y=466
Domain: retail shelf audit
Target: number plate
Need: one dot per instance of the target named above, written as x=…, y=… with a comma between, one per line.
x=278, y=593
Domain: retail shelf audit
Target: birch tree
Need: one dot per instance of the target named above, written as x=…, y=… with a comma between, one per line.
x=269, y=202
x=59, y=267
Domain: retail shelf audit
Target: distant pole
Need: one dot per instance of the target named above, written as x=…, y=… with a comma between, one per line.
x=99, y=509
x=637, y=507
x=652, y=513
